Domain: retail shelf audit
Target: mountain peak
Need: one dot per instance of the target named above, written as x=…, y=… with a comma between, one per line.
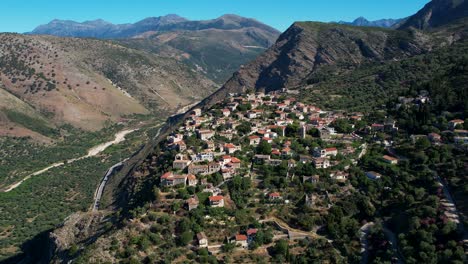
x=437, y=13
x=364, y=22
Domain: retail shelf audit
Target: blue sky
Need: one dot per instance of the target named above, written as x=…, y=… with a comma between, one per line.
x=24, y=15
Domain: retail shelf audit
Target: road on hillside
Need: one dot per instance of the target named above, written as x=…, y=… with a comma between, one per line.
x=100, y=190
x=119, y=137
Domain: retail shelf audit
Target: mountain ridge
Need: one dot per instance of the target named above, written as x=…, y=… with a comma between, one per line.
x=437, y=13
x=362, y=21
x=102, y=29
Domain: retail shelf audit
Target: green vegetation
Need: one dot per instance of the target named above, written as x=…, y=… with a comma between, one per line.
x=43, y=202
x=374, y=84
x=20, y=157
x=37, y=125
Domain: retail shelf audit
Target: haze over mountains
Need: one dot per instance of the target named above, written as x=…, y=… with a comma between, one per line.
x=311, y=52
x=215, y=47
x=363, y=22
x=153, y=66
x=102, y=29
x=92, y=74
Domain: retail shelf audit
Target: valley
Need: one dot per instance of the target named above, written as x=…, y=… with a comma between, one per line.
x=171, y=140
x=119, y=137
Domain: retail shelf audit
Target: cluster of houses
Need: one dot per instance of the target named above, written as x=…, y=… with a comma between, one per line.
x=268, y=116
x=460, y=136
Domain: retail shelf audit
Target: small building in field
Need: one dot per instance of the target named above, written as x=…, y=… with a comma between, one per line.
x=242, y=241
x=202, y=240
x=390, y=159
x=192, y=202
x=180, y=164
x=321, y=163
x=274, y=196
x=216, y=201
x=373, y=175
x=434, y=137
x=192, y=180
x=254, y=140
x=454, y=123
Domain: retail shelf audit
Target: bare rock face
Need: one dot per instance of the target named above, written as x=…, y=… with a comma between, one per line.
x=437, y=13
x=78, y=228
x=306, y=46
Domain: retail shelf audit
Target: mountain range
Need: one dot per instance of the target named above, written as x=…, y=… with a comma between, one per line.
x=102, y=29
x=154, y=66
x=215, y=47
x=340, y=67
x=308, y=53
x=363, y=22
x=157, y=65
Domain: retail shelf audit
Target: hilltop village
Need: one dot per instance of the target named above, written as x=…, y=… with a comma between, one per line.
x=264, y=172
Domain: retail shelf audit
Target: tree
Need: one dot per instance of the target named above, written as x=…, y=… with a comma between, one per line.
x=292, y=130
x=342, y=126
x=185, y=238
x=423, y=143
x=156, y=194
x=264, y=148
x=281, y=248
x=244, y=128
x=229, y=247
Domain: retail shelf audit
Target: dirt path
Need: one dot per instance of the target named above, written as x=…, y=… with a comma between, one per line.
x=119, y=137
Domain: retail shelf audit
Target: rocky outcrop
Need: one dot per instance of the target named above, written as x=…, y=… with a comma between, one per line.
x=437, y=13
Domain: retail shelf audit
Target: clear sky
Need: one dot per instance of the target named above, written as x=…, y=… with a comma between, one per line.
x=25, y=15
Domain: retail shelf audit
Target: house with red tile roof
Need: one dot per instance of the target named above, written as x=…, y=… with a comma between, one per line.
x=241, y=240
x=171, y=179
x=390, y=159
x=274, y=196
x=192, y=202
x=192, y=180
x=254, y=140
x=231, y=148
x=454, y=123
x=216, y=201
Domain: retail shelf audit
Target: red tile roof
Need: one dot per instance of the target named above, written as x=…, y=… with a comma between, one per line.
x=389, y=157
x=216, y=198
x=251, y=231
x=241, y=238
x=167, y=175
x=275, y=194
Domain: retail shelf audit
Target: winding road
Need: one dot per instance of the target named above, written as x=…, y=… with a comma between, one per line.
x=119, y=137
x=364, y=233
x=100, y=190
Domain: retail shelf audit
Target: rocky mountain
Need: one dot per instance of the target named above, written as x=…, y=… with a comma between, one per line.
x=102, y=29
x=308, y=47
x=363, y=22
x=214, y=47
x=437, y=13
x=55, y=81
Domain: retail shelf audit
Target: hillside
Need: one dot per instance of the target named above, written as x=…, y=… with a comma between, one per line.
x=308, y=48
x=437, y=13
x=215, y=53
x=81, y=81
x=102, y=29
x=363, y=22
x=215, y=48
x=360, y=159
